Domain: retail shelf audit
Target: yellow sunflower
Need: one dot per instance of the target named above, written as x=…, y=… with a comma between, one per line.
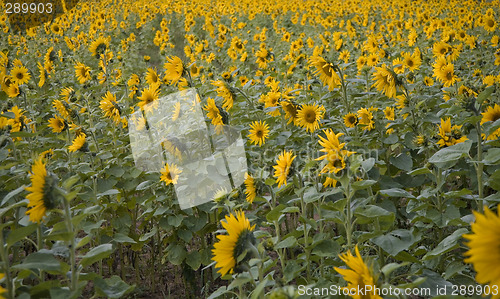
x=385, y=81
x=284, y=162
x=78, y=143
x=249, y=188
x=358, y=276
x=19, y=75
x=174, y=69
x=152, y=77
x=148, y=95
x=57, y=124
x=170, y=174
x=110, y=108
x=290, y=111
x=492, y=114
x=82, y=72
x=99, y=46
x=259, y=131
x=326, y=72
x=224, y=92
x=450, y=135
x=350, y=120
x=229, y=247
x=211, y=109
x=482, y=243
x=61, y=108
x=309, y=116
x=389, y=113
x=446, y=75
x=40, y=197
x=366, y=119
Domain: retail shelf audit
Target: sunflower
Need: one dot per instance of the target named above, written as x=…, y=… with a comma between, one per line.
x=56, y=29
x=67, y=93
x=385, y=81
x=211, y=109
x=20, y=75
x=344, y=56
x=40, y=197
x=195, y=70
x=249, y=188
x=148, y=95
x=389, y=113
x=326, y=72
x=492, y=114
x=229, y=247
x=57, y=124
x=12, y=90
x=489, y=24
x=82, y=72
x=174, y=69
x=441, y=48
x=483, y=243
x=110, y=108
x=309, y=116
x=428, y=81
x=290, y=111
x=2, y=290
x=366, y=118
x=284, y=162
x=450, y=135
x=358, y=276
x=99, y=46
x=259, y=131
x=170, y=174
x=61, y=108
x=350, y=120
x=152, y=77
x=412, y=61
x=446, y=75
x=330, y=182
x=224, y=92
x=78, y=143
x=271, y=100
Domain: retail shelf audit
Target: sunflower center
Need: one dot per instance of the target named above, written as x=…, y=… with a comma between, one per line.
x=19, y=76
x=442, y=51
x=410, y=63
x=259, y=133
x=310, y=116
x=449, y=76
x=327, y=69
x=490, y=23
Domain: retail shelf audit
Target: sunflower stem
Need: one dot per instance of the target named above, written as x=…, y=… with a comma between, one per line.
x=39, y=246
x=69, y=226
x=479, y=168
x=306, y=231
x=5, y=259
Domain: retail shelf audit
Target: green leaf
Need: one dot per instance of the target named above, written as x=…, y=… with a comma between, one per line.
x=96, y=254
x=39, y=261
x=108, y=192
x=485, y=94
x=143, y=185
x=402, y=161
x=395, y=241
x=492, y=156
x=11, y=194
x=22, y=134
x=389, y=268
x=369, y=213
x=20, y=233
x=494, y=180
x=396, y=192
x=122, y=238
x=286, y=243
x=326, y=248
x=275, y=213
x=358, y=185
x=69, y=182
x=148, y=235
x=176, y=254
x=116, y=171
x=258, y=291
x=113, y=287
x=449, y=243
x=193, y=259
x=450, y=154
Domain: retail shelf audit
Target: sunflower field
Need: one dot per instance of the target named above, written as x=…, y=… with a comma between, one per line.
x=249, y=149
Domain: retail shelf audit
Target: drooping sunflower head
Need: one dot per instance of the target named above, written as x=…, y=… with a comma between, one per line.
x=110, y=107
x=79, y=143
x=57, y=124
x=174, y=69
x=148, y=96
x=309, y=116
x=99, y=46
x=228, y=250
x=250, y=189
x=42, y=196
x=82, y=72
x=283, y=167
x=359, y=275
x=389, y=113
x=326, y=71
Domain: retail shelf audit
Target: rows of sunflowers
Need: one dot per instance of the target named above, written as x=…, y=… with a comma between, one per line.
x=371, y=133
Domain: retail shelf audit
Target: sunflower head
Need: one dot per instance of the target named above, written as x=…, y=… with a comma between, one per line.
x=233, y=250
x=43, y=196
